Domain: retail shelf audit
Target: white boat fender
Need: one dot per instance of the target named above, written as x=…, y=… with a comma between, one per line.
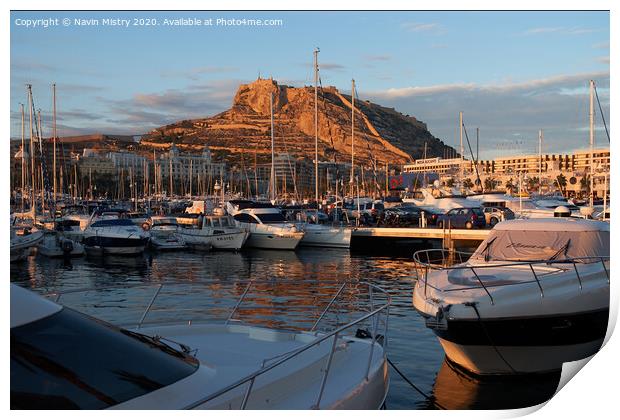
x=440, y=320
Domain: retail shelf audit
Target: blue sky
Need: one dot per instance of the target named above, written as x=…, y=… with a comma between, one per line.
x=511, y=73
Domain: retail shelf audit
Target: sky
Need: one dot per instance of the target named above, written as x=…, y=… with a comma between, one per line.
x=510, y=73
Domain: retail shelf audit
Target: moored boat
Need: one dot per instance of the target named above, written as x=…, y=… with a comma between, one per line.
x=195, y=365
x=535, y=294
x=267, y=226
x=215, y=231
x=114, y=236
x=165, y=233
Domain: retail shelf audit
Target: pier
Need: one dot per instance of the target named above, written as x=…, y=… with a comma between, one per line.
x=403, y=241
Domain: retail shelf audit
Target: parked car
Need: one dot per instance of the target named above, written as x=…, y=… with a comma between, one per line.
x=404, y=214
x=462, y=217
x=431, y=214
x=494, y=215
x=371, y=210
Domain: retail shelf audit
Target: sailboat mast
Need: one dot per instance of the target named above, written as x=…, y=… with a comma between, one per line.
x=591, y=143
x=461, y=137
x=39, y=135
x=32, y=189
x=540, y=139
x=316, y=127
x=23, y=156
x=54, y=134
x=352, y=131
x=272, y=194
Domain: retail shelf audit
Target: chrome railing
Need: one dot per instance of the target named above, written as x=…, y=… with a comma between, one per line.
x=377, y=315
x=448, y=260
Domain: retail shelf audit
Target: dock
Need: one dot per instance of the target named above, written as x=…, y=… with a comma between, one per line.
x=405, y=241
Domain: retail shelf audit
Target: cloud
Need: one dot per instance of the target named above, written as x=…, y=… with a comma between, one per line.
x=148, y=110
x=422, y=27
x=557, y=104
x=601, y=45
x=604, y=60
x=529, y=85
x=559, y=30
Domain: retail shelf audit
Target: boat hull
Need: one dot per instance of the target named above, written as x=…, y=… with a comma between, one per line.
x=501, y=360
x=327, y=237
x=529, y=327
x=233, y=241
x=97, y=245
x=274, y=241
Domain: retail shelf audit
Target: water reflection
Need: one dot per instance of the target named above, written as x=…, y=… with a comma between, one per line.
x=454, y=389
x=291, y=290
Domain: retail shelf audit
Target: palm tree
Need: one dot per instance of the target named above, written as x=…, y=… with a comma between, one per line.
x=561, y=183
x=532, y=183
x=585, y=184
x=489, y=184
x=467, y=183
x=509, y=186
x=450, y=183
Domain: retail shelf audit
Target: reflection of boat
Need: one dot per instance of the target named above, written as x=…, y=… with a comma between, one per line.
x=22, y=241
x=454, y=389
x=55, y=244
x=63, y=359
x=534, y=295
x=165, y=233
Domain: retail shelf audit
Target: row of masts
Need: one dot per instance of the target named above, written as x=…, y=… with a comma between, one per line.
x=205, y=186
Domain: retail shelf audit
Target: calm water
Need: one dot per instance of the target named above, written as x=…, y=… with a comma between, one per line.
x=293, y=289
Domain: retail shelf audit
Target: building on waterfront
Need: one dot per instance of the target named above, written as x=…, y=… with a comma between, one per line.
x=573, y=168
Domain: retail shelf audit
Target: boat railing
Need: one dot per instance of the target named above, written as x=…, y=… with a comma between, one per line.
x=449, y=260
x=378, y=316
x=372, y=323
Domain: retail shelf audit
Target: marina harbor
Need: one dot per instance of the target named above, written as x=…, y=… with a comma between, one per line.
x=215, y=231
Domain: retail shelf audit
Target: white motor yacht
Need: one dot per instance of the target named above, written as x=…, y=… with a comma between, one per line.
x=165, y=233
x=442, y=199
x=23, y=239
x=109, y=234
x=535, y=294
x=63, y=359
x=217, y=231
x=267, y=226
x=55, y=244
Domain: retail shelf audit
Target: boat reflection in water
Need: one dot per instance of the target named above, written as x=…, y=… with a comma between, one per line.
x=455, y=389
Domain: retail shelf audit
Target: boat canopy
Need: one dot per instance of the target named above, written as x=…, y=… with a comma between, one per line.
x=545, y=239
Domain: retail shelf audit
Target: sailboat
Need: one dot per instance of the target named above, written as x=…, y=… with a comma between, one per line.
x=318, y=235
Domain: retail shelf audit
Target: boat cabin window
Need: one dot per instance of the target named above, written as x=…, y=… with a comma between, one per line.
x=271, y=218
x=71, y=361
x=244, y=218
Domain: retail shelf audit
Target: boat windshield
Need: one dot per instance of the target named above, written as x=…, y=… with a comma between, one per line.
x=72, y=361
x=113, y=222
x=528, y=245
x=269, y=218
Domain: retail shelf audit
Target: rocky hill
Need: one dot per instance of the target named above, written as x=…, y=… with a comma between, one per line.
x=244, y=130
